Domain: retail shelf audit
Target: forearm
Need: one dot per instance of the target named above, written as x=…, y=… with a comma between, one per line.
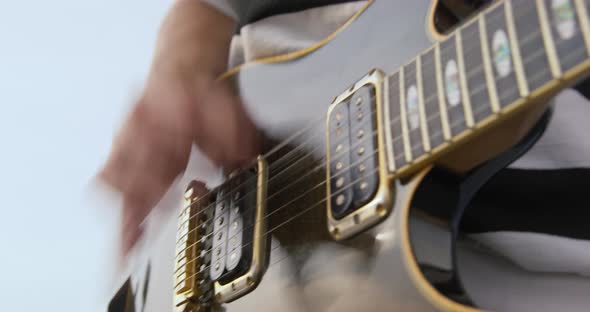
x=194, y=39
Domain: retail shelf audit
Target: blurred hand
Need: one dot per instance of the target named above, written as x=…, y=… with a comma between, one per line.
x=182, y=104
x=153, y=146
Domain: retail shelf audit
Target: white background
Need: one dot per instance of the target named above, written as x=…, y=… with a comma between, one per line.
x=68, y=71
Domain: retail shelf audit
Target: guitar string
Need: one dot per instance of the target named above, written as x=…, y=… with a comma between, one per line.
x=348, y=186
x=311, y=126
x=343, y=171
x=288, y=220
x=229, y=194
x=469, y=49
x=452, y=125
x=465, y=50
x=307, y=191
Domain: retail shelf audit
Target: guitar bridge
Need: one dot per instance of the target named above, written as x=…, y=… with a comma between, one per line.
x=358, y=192
x=222, y=253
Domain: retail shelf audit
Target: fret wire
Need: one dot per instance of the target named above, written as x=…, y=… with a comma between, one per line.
x=429, y=97
x=548, y=39
x=486, y=66
x=566, y=42
x=412, y=107
x=441, y=95
x=463, y=82
x=584, y=23
x=388, y=138
x=395, y=119
x=402, y=104
x=475, y=75
x=421, y=107
x=481, y=67
x=516, y=57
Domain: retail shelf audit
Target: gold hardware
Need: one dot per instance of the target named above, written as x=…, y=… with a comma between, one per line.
x=380, y=206
x=244, y=284
x=187, y=259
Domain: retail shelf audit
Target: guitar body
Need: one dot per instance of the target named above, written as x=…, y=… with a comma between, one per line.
x=382, y=269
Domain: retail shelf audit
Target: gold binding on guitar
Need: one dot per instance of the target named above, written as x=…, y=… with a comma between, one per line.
x=244, y=284
x=187, y=272
x=194, y=288
x=380, y=206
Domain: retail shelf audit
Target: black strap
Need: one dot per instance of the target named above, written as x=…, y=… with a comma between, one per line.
x=250, y=11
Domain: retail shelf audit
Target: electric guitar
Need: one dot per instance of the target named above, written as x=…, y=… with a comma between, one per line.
x=388, y=128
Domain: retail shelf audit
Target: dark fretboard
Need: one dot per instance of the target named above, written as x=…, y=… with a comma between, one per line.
x=504, y=56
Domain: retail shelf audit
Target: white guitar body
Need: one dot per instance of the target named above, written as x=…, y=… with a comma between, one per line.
x=376, y=270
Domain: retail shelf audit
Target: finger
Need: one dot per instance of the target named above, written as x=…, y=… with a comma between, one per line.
x=227, y=135
x=131, y=229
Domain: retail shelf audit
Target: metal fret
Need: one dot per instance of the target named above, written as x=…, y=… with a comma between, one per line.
x=411, y=110
x=475, y=78
x=421, y=109
x=500, y=50
x=395, y=124
x=516, y=56
x=485, y=51
x=387, y=123
x=441, y=95
x=583, y=9
x=451, y=78
x=548, y=39
x=403, y=116
x=531, y=44
x=464, y=90
x=431, y=99
x=567, y=35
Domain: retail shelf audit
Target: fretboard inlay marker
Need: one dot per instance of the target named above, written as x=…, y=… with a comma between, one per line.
x=441, y=94
x=404, y=116
x=421, y=106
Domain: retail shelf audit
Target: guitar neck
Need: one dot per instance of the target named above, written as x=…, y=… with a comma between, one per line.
x=506, y=57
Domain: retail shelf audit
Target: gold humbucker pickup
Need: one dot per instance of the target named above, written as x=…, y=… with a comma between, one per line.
x=358, y=191
x=222, y=243
x=243, y=277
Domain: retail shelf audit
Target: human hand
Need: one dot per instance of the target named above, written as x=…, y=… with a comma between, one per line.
x=182, y=103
